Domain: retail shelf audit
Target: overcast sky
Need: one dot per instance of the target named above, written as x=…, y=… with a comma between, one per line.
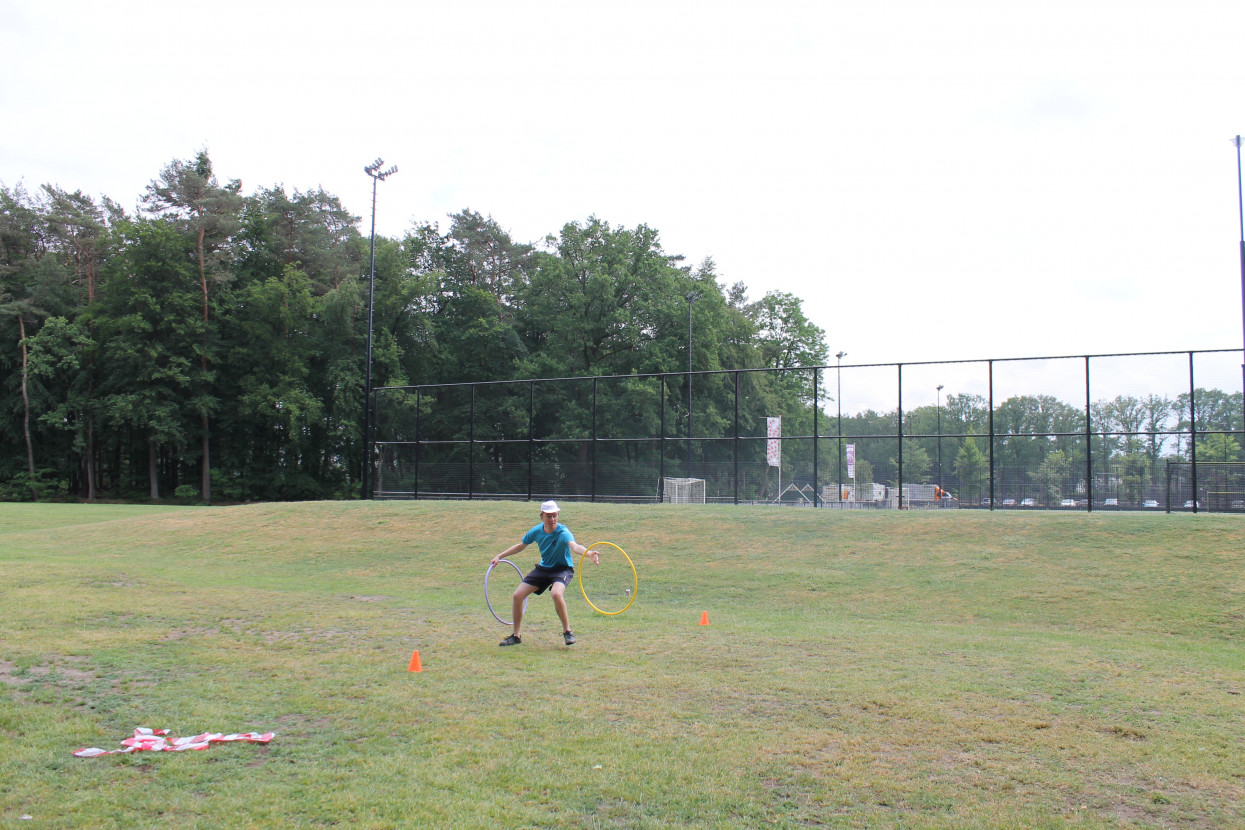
x=950, y=180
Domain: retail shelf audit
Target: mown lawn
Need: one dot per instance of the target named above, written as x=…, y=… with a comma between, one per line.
x=900, y=669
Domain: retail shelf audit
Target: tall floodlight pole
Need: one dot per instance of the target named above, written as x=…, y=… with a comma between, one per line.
x=1240, y=212
x=838, y=399
x=377, y=175
x=939, y=408
x=692, y=296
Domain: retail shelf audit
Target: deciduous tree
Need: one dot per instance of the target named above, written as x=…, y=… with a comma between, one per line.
x=188, y=193
x=151, y=335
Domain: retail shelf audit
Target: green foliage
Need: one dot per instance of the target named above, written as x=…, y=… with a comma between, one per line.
x=186, y=493
x=973, y=469
x=1134, y=477
x=864, y=476
x=45, y=484
x=916, y=462
x=1052, y=474
x=239, y=321
x=599, y=301
x=784, y=336
x=150, y=327
x=1218, y=447
x=474, y=341
x=1216, y=410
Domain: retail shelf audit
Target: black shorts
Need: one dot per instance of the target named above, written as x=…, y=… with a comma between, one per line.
x=543, y=577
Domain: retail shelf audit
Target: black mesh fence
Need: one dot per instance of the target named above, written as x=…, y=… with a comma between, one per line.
x=1155, y=431
x=1218, y=486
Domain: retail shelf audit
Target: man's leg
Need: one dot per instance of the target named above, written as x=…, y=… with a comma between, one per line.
x=516, y=603
x=559, y=605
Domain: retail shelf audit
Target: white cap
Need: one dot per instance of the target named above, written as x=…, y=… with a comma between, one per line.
x=549, y=507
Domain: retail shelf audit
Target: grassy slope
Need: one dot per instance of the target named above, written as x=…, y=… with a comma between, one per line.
x=939, y=670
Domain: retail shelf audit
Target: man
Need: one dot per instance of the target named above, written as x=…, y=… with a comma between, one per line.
x=557, y=547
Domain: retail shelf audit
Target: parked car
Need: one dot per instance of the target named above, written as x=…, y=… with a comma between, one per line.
x=1028, y=503
x=1110, y=502
x=1149, y=503
x=1189, y=504
x=1238, y=504
x=1067, y=503
x=1009, y=502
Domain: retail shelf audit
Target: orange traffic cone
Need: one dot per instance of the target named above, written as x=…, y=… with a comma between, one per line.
x=704, y=617
x=415, y=664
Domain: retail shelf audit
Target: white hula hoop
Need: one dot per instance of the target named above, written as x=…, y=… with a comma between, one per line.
x=489, y=602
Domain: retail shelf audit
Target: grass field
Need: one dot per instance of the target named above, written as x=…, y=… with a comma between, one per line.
x=917, y=670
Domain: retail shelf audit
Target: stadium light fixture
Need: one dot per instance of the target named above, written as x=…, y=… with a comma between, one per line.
x=371, y=170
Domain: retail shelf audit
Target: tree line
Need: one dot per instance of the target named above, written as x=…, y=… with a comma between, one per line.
x=1040, y=444
x=211, y=344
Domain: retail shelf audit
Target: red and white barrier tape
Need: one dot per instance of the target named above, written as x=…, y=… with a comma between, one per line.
x=156, y=740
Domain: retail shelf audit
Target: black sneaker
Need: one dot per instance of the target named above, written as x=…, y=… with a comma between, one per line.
x=568, y=638
x=512, y=640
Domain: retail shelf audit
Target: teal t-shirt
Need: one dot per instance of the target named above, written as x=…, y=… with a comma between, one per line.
x=555, y=548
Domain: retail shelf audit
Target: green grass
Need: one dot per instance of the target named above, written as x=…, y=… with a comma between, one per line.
x=898, y=669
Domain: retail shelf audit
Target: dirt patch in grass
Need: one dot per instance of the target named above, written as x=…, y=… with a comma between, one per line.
x=183, y=633
x=7, y=674
x=67, y=668
x=261, y=756
x=61, y=676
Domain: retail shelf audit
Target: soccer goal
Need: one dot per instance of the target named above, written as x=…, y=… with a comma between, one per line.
x=683, y=490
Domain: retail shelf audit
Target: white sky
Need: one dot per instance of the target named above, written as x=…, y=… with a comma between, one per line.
x=949, y=180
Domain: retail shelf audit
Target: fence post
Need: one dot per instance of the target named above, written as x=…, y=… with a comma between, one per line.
x=661, y=447
x=378, y=485
x=418, y=398
x=899, y=431
x=593, y=486
x=1192, y=433
x=815, y=408
x=531, y=442
x=735, y=474
x=1089, y=443
x=687, y=472
x=990, y=431
x=471, y=447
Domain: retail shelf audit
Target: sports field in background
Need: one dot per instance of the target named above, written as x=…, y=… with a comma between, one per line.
x=893, y=669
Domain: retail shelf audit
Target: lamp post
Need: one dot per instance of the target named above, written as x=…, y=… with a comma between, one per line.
x=838, y=399
x=1240, y=208
x=939, y=408
x=377, y=175
x=692, y=296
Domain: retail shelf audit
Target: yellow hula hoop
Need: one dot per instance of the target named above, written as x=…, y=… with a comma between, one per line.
x=635, y=579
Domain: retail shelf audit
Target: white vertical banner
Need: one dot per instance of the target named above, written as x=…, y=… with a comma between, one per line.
x=773, y=447
x=851, y=461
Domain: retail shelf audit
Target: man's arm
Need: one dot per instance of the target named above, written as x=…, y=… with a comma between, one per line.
x=579, y=550
x=510, y=551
